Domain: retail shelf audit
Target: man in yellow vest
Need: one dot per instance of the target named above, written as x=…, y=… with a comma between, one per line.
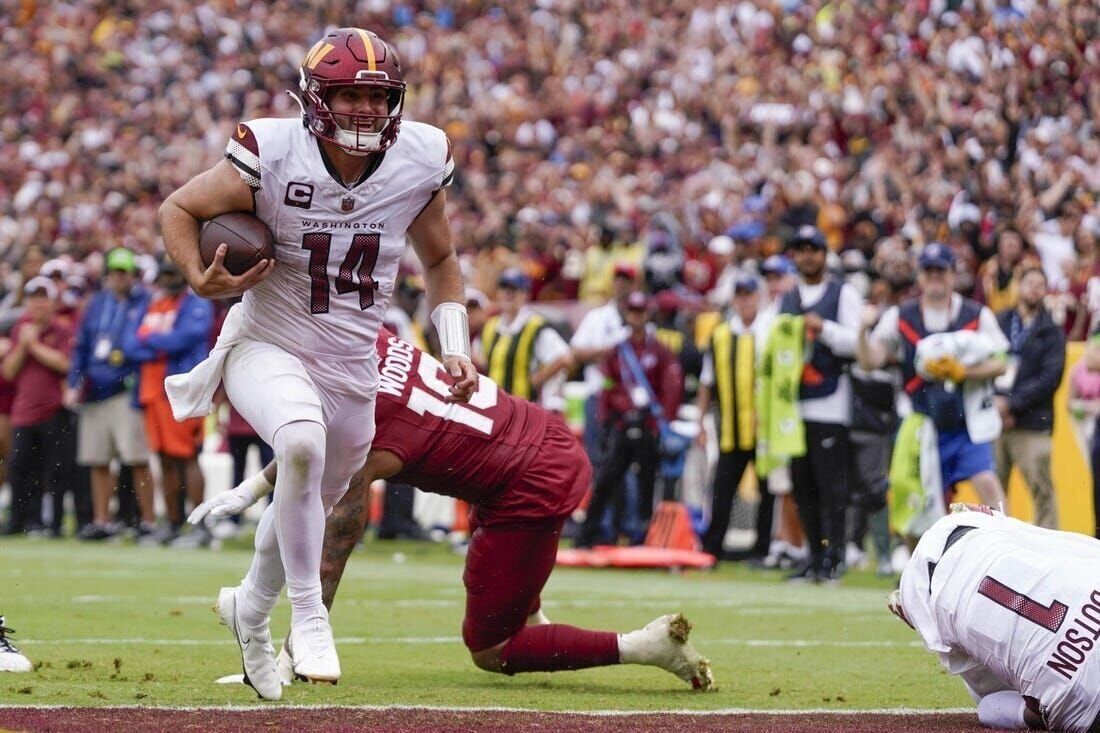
x=729, y=374
x=518, y=349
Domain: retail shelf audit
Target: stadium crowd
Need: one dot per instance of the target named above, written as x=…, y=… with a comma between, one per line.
x=602, y=149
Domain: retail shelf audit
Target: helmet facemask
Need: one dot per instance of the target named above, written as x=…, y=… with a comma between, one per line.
x=355, y=133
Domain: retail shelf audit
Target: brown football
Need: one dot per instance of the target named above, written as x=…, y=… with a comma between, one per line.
x=248, y=238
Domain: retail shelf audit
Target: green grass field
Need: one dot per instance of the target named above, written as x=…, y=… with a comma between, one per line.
x=115, y=624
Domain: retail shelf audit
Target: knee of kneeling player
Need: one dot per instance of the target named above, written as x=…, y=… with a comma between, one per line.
x=489, y=659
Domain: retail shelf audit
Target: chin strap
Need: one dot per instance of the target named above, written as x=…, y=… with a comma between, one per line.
x=453, y=327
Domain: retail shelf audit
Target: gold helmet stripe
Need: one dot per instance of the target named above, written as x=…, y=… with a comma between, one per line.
x=372, y=64
x=316, y=54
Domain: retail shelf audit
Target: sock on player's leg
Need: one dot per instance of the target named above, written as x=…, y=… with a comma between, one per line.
x=555, y=647
x=265, y=579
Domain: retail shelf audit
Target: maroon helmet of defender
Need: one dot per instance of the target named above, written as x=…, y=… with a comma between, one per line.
x=352, y=57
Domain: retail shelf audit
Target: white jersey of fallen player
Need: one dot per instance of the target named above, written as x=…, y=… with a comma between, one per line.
x=1010, y=606
x=337, y=248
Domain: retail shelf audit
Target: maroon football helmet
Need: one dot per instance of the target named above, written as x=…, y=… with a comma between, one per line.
x=351, y=57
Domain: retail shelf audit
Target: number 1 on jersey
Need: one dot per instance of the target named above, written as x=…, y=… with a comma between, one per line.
x=362, y=256
x=1049, y=617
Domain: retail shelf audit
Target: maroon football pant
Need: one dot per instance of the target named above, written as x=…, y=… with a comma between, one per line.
x=506, y=569
x=515, y=539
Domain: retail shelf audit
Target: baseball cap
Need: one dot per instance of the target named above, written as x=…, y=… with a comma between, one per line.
x=720, y=245
x=778, y=265
x=935, y=254
x=121, y=258
x=746, y=284
x=476, y=298
x=514, y=278
x=41, y=285
x=637, y=301
x=667, y=300
x=807, y=235
x=626, y=269
x=55, y=268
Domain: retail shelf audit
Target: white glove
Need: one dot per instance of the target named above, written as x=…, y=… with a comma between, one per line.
x=234, y=501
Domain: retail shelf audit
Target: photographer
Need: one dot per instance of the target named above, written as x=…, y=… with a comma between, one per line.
x=630, y=431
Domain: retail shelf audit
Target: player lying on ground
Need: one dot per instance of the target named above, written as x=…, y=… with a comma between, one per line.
x=524, y=473
x=1014, y=610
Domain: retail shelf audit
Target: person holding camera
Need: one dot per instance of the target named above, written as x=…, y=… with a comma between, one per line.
x=630, y=430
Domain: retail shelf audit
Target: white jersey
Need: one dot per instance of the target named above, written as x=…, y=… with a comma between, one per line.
x=1011, y=606
x=337, y=249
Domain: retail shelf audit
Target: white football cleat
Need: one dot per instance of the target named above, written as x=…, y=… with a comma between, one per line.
x=664, y=643
x=257, y=653
x=11, y=660
x=313, y=652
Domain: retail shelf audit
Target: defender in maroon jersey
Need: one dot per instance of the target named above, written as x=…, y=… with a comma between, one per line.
x=524, y=472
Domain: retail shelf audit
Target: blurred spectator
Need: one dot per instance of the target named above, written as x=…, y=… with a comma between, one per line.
x=1083, y=272
x=518, y=349
x=819, y=478
x=780, y=276
x=729, y=375
x=1025, y=399
x=11, y=308
x=170, y=336
x=401, y=315
x=999, y=276
x=42, y=448
x=675, y=329
x=102, y=381
x=607, y=259
x=628, y=425
x=599, y=332
x=477, y=306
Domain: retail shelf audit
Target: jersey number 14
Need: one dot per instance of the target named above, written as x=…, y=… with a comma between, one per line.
x=360, y=260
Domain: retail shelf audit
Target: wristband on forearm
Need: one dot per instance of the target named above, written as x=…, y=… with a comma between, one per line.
x=453, y=327
x=258, y=486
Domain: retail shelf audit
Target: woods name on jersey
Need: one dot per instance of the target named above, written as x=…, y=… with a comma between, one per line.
x=396, y=367
x=1080, y=639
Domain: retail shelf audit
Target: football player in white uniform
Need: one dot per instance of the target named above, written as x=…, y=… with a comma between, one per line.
x=1014, y=610
x=340, y=188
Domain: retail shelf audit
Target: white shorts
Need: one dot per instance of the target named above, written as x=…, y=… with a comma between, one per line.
x=271, y=388
x=109, y=429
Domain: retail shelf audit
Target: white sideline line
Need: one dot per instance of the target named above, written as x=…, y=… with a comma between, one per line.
x=454, y=709
x=358, y=640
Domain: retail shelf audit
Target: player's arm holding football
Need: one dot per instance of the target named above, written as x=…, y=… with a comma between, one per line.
x=431, y=239
x=218, y=190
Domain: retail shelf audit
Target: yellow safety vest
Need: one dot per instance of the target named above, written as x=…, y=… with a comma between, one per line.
x=509, y=356
x=734, y=381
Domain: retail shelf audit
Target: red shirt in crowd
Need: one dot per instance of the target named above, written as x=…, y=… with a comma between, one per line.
x=37, y=387
x=661, y=368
